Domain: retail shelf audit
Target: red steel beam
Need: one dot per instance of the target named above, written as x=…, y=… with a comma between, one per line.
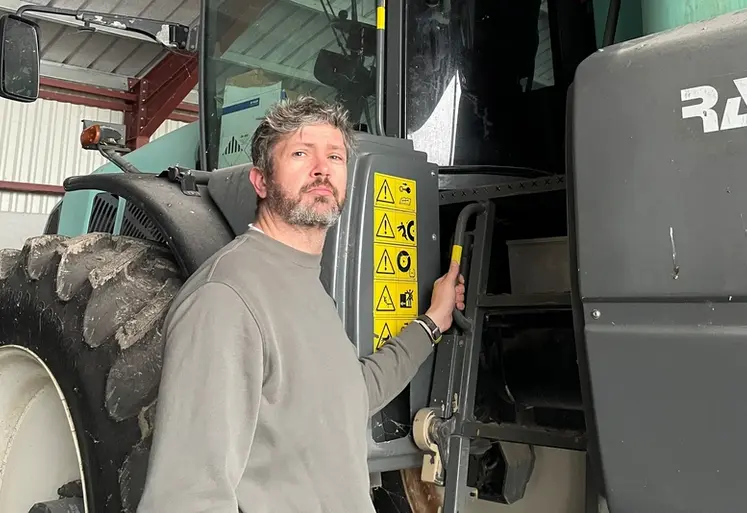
x=103, y=98
x=83, y=94
x=39, y=188
x=159, y=94
x=183, y=117
x=87, y=89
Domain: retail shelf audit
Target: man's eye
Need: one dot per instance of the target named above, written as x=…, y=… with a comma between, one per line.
x=299, y=154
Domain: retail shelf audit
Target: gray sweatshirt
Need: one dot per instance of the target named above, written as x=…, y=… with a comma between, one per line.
x=264, y=403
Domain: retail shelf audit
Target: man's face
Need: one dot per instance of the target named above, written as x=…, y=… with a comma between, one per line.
x=308, y=182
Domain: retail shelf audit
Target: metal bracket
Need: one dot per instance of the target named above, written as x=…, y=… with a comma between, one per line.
x=170, y=35
x=188, y=179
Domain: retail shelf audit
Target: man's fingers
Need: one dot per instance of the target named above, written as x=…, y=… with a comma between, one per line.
x=461, y=278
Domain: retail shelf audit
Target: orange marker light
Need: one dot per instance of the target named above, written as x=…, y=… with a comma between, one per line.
x=90, y=136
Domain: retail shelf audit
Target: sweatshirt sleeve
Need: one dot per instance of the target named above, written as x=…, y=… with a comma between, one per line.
x=207, y=406
x=388, y=370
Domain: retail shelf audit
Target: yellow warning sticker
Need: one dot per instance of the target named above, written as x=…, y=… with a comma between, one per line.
x=406, y=229
x=383, y=331
x=395, y=256
x=384, y=293
x=405, y=195
x=395, y=299
x=384, y=196
x=385, y=267
x=384, y=226
x=402, y=324
x=395, y=193
x=396, y=262
x=407, y=295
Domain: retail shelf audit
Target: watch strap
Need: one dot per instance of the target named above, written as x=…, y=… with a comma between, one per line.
x=430, y=327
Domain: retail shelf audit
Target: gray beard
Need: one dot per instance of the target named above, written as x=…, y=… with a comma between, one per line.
x=293, y=212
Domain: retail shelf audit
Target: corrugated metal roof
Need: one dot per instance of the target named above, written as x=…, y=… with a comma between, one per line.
x=64, y=41
x=289, y=35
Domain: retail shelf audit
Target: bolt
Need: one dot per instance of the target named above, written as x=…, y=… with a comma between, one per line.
x=434, y=237
x=433, y=173
x=596, y=314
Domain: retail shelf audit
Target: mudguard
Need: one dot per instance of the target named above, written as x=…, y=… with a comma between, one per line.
x=235, y=196
x=192, y=226
x=659, y=198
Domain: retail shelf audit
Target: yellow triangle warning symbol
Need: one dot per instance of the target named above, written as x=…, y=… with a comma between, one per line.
x=385, y=302
x=385, y=264
x=385, y=194
x=385, y=229
x=383, y=336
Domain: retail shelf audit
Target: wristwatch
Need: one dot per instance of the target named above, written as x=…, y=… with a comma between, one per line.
x=430, y=327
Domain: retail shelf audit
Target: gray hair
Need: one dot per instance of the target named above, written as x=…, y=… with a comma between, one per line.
x=288, y=116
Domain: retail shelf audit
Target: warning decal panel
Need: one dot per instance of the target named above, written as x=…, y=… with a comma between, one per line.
x=395, y=299
x=395, y=193
x=395, y=227
x=395, y=261
x=384, y=329
x=395, y=256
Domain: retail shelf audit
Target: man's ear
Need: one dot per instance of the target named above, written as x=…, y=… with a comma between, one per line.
x=258, y=181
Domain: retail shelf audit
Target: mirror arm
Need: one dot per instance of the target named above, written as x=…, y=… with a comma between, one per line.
x=171, y=35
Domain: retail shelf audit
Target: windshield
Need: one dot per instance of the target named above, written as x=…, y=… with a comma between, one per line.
x=256, y=52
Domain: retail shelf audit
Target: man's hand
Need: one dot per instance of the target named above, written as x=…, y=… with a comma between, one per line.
x=448, y=292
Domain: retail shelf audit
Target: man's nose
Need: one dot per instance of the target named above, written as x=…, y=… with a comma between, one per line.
x=321, y=166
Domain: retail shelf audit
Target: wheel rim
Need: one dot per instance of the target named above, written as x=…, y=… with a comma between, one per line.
x=39, y=451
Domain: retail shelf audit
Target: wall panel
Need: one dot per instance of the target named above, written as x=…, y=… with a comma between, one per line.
x=39, y=143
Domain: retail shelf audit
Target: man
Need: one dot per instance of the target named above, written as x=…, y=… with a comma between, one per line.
x=264, y=404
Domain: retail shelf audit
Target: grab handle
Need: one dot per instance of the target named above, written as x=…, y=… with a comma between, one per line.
x=460, y=319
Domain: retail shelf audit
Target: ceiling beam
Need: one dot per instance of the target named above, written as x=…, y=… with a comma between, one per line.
x=100, y=79
x=81, y=75
x=338, y=5
x=237, y=58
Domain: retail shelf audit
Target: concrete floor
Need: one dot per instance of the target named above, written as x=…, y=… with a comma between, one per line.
x=557, y=485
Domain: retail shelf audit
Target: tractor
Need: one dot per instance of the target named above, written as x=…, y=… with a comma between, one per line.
x=561, y=165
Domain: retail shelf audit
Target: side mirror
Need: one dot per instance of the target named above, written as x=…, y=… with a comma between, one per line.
x=19, y=59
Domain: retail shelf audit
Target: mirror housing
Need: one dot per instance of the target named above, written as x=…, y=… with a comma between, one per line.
x=19, y=59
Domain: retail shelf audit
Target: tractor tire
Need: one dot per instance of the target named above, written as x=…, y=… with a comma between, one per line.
x=90, y=310
x=404, y=492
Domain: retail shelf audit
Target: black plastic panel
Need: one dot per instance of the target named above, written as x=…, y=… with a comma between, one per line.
x=192, y=226
x=661, y=242
x=235, y=196
x=103, y=213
